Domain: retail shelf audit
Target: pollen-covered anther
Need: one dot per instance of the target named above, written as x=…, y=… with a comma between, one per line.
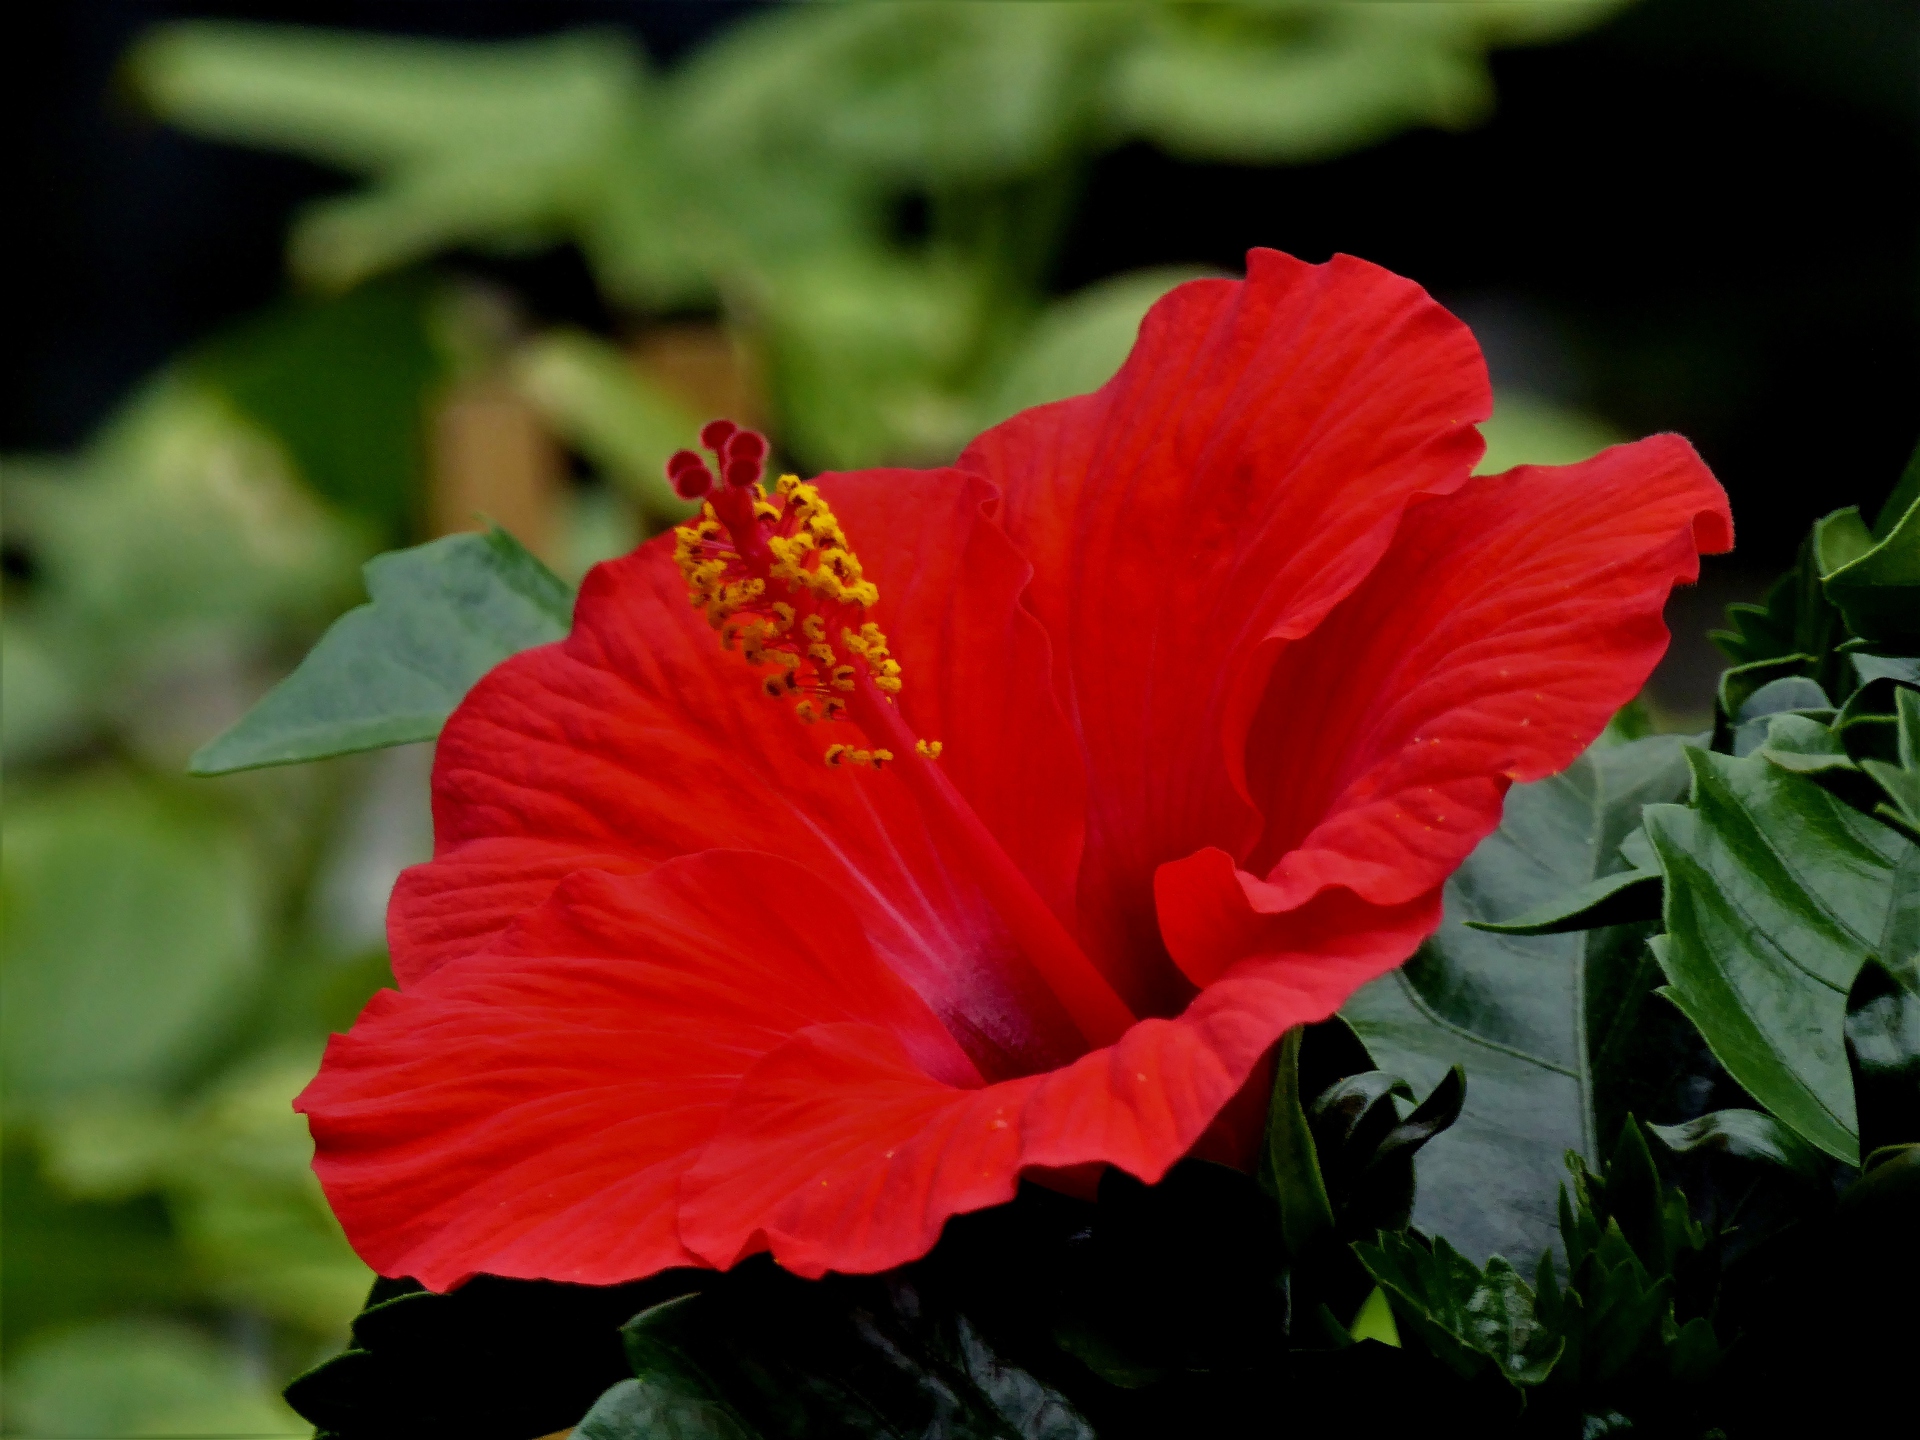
x=838, y=755
x=776, y=577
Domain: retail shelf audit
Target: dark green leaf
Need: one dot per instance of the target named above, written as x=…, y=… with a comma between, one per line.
x=1902, y=782
x=765, y=1354
x=1776, y=892
x=1747, y=1134
x=1804, y=746
x=1887, y=1194
x=1795, y=630
x=1292, y=1162
x=1878, y=591
x=1381, y=1195
x=1778, y=697
x=1471, y=1320
x=1840, y=539
x=657, y=1410
x=390, y=672
x=1524, y=1016
x=1630, y=1245
x=1622, y=899
x=1906, y=494
x=674, y=1397
x=494, y=1360
x=344, y=383
x=1883, y=1042
x=1902, y=669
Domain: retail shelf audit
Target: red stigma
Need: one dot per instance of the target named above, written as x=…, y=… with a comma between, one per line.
x=689, y=474
x=745, y=452
x=715, y=434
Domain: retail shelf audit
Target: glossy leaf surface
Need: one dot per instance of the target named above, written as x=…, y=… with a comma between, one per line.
x=1471, y=1319
x=1878, y=590
x=1746, y=1134
x=1776, y=893
x=1522, y=1015
x=390, y=672
x=767, y=1356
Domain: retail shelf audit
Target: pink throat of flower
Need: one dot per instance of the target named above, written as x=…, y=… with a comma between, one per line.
x=776, y=577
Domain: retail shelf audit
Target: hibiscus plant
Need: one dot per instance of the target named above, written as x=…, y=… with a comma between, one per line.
x=1174, y=923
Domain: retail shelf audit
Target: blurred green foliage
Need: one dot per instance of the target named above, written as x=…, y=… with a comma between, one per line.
x=768, y=176
x=868, y=198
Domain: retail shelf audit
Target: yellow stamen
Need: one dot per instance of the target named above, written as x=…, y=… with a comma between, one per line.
x=761, y=569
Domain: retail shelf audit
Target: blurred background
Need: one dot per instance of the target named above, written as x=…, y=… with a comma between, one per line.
x=289, y=294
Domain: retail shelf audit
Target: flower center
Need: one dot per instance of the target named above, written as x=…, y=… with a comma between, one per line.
x=777, y=578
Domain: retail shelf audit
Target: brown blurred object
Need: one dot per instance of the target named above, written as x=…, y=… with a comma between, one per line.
x=495, y=461
x=703, y=367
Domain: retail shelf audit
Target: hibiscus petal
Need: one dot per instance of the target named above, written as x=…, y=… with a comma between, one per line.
x=1507, y=623
x=1239, y=476
x=529, y=1111
x=838, y=1152
x=639, y=738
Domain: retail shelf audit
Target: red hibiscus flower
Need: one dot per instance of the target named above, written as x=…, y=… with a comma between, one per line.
x=1229, y=665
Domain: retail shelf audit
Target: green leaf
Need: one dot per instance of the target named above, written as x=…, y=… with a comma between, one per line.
x=1292, y=1169
x=1374, y=1320
x=1367, y=1152
x=1470, y=1319
x=1629, y=1241
x=344, y=383
x=1776, y=893
x=495, y=145
x=182, y=520
x=1906, y=494
x=132, y=939
x=1795, y=630
x=1620, y=899
x=494, y=1357
x=1254, y=85
x=1535, y=1022
x=1804, y=746
x=1840, y=539
x=1903, y=498
x=1883, y=1042
x=765, y=1354
x=1878, y=591
x=388, y=673
x=137, y=1377
x=1746, y=1134
x=1902, y=782
x=1902, y=669
x=235, y=1166
x=66, y=1262
x=658, y=1410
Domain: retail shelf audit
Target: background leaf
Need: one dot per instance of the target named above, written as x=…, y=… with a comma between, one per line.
x=132, y=928
x=390, y=672
x=1077, y=344
x=136, y=1378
